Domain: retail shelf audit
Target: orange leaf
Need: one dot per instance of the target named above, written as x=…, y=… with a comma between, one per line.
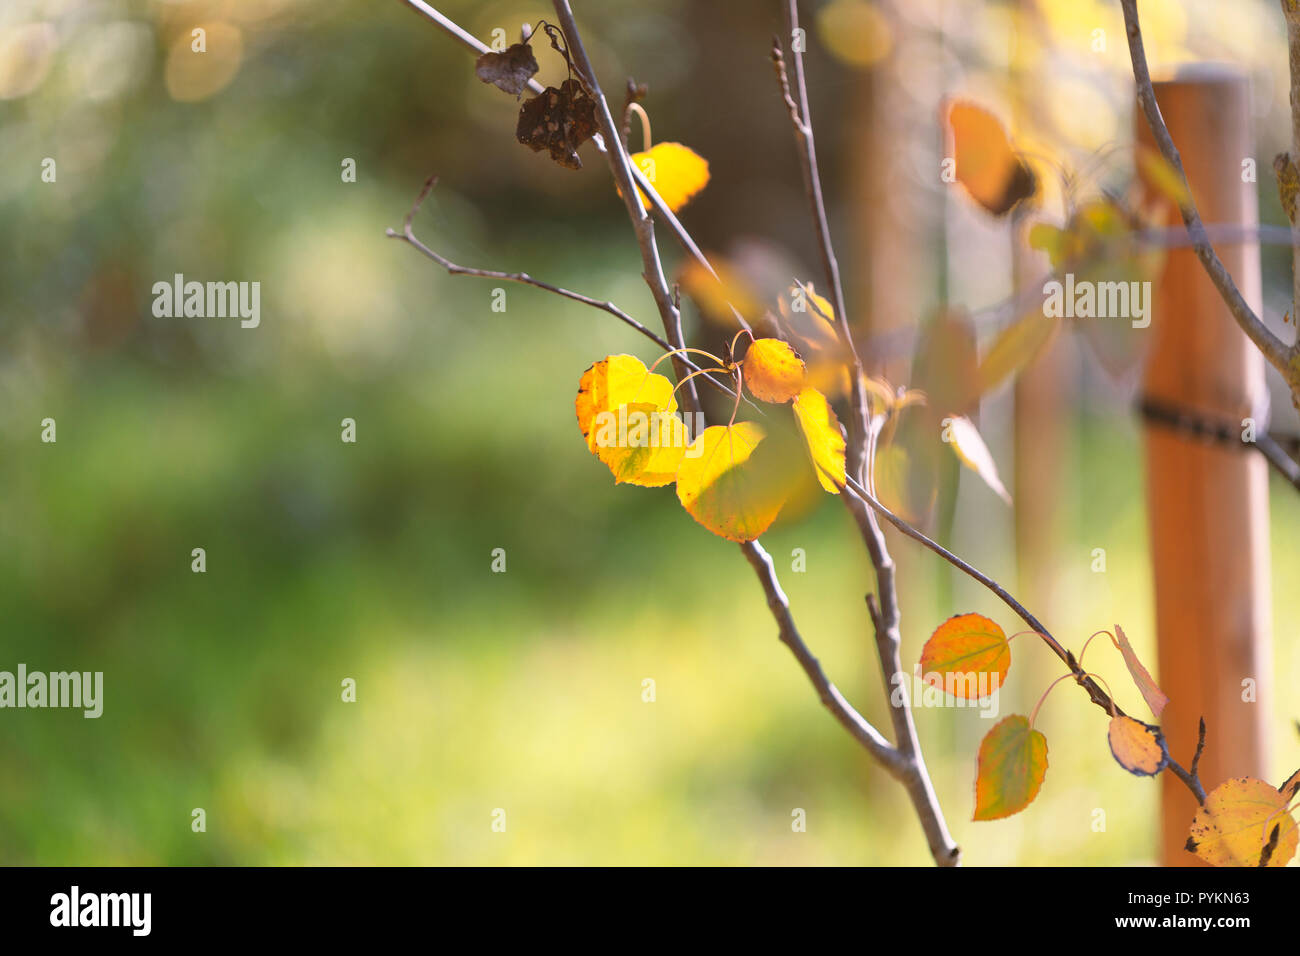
x=1012, y=765
x=1137, y=747
x=773, y=371
x=993, y=173
x=962, y=650
x=1237, y=823
x=1152, y=694
x=720, y=488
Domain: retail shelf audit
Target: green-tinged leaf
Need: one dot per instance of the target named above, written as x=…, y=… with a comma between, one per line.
x=1012, y=765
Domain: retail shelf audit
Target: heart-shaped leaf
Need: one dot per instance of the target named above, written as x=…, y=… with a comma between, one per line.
x=1012, y=765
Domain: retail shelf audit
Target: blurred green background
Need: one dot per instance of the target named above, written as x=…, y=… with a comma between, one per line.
x=371, y=561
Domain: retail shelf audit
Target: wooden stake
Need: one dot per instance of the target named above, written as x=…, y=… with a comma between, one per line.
x=1208, y=502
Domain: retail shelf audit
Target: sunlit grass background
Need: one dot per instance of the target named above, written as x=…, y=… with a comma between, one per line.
x=325, y=561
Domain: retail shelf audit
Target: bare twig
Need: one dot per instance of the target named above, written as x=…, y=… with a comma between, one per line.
x=1192, y=777
x=886, y=614
x=661, y=209
x=1280, y=355
x=408, y=236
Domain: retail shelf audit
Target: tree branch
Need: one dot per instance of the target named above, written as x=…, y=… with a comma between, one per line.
x=408, y=236
x=1280, y=355
x=669, y=218
x=834, y=701
x=885, y=615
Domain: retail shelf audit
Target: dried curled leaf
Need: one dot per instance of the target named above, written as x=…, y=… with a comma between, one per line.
x=627, y=415
x=1137, y=747
x=1235, y=826
x=967, y=655
x=722, y=489
x=1012, y=765
x=994, y=174
x=558, y=120
x=773, y=371
x=1152, y=694
x=676, y=172
x=822, y=436
x=509, y=70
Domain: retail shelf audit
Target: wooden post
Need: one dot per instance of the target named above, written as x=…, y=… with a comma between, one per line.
x=1208, y=503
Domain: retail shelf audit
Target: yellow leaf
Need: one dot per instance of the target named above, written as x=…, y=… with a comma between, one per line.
x=627, y=416
x=1050, y=239
x=1012, y=765
x=993, y=173
x=773, y=371
x=822, y=437
x=1137, y=747
x=1237, y=822
x=974, y=454
x=719, y=487
x=1152, y=694
x=642, y=444
x=675, y=171
x=809, y=322
x=717, y=297
x=961, y=651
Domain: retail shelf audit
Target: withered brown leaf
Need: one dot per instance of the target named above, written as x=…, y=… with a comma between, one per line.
x=509, y=70
x=559, y=120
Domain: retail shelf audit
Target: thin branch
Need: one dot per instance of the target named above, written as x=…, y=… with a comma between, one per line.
x=801, y=121
x=408, y=236
x=1098, y=696
x=1275, y=350
x=1192, y=778
x=834, y=701
x=886, y=616
x=623, y=169
x=661, y=209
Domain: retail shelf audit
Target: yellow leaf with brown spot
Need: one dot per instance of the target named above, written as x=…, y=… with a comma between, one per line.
x=1236, y=825
x=1137, y=747
x=964, y=652
x=1012, y=765
x=773, y=371
x=722, y=489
